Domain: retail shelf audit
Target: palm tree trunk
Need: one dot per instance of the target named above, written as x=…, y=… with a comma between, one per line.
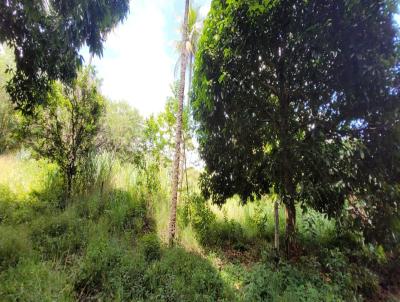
x=190, y=79
x=183, y=160
x=178, y=137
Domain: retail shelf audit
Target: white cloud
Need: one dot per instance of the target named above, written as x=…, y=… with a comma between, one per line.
x=136, y=66
x=139, y=59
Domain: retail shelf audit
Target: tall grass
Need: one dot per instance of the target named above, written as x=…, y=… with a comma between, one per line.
x=103, y=246
x=24, y=176
x=109, y=243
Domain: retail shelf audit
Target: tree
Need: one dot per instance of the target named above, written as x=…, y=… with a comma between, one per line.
x=194, y=29
x=159, y=130
x=178, y=137
x=65, y=129
x=299, y=96
x=46, y=37
x=121, y=131
x=9, y=121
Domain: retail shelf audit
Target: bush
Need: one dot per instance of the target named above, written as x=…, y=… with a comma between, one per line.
x=13, y=210
x=109, y=272
x=199, y=215
x=14, y=245
x=59, y=235
x=210, y=231
x=183, y=276
x=51, y=195
x=124, y=213
x=150, y=246
x=229, y=232
x=350, y=277
x=288, y=283
x=91, y=207
x=36, y=282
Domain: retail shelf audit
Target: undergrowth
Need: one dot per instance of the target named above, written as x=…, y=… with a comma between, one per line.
x=109, y=244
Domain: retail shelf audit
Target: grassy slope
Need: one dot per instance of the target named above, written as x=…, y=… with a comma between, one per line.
x=108, y=245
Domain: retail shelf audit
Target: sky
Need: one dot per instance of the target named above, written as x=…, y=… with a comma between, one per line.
x=139, y=55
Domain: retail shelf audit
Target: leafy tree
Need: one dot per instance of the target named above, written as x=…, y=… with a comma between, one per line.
x=9, y=121
x=159, y=131
x=121, y=131
x=301, y=96
x=64, y=131
x=178, y=137
x=46, y=37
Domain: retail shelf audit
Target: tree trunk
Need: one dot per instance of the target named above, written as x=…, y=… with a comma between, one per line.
x=184, y=166
x=290, y=234
x=178, y=137
x=276, y=210
x=190, y=79
x=285, y=136
x=183, y=160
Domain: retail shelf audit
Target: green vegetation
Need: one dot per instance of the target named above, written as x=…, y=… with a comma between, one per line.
x=102, y=246
x=296, y=109
x=280, y=113
x=63, y=131
x=47, y=37
x=110, y=245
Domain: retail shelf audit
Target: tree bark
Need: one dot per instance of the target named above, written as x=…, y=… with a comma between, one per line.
x=190, y=79
x=287, y=184
x=290, y=234
x=183, y=161
x=178, y=137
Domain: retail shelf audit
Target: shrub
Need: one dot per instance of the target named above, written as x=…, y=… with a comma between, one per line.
x=183, y=276
x=124, y=213
x=210, y=231
x=229, y=232
x=14, y=245
x=59, y=235
x=13, y=210
x=51, y=193
x=350, y=277
x=150, y=246
x=109, y=272
x=200, y=216
x=364, y=281
x=30, y=281
x=288, y=283
x=91, y=207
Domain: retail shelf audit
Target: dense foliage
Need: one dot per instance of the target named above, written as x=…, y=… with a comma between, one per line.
x=107, y=246
x=121, y=131
x=64, y=130
x=8, y=118
x=103, y=247
x=298, y=99
x=159, y=129
x=302, y=97
x=46, y=37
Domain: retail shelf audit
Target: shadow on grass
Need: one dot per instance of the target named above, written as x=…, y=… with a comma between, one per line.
x=103, y=247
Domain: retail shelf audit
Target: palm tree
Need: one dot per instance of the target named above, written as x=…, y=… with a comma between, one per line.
x=178, y=137
x=190, y=46
x=194, y=30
